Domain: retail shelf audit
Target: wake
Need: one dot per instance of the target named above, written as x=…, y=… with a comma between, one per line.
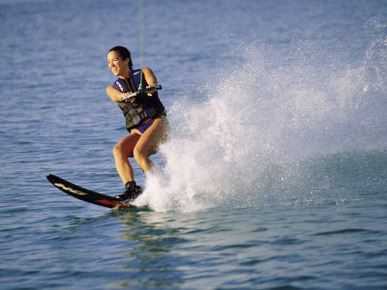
x=268, y=123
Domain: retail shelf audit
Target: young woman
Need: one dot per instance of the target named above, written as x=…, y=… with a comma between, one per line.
x=145, y=118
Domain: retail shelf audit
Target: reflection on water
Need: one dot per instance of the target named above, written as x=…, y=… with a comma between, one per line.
x=133, y=247
x=149, y=259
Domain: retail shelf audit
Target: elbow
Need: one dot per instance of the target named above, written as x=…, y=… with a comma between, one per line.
x=110, y=94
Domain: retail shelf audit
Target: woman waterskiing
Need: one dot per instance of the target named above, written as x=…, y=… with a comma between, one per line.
x=145, y=118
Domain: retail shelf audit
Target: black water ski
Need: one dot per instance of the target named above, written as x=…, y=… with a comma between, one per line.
x=87, y=195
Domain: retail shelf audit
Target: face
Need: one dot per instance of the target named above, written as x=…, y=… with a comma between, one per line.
x=118, y=66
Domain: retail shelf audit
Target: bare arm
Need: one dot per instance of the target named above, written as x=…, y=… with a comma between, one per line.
x=114, y=94
x=149, y=77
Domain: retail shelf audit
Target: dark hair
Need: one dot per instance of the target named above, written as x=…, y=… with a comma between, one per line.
x=124, y=54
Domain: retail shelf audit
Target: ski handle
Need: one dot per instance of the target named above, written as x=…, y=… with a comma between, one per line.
x=141, y=91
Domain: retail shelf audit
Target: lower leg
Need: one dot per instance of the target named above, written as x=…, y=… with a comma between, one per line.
x=121, y=152
x=124, y=169
x=144, y=162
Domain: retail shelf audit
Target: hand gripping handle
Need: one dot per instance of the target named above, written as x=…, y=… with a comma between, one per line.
x=141, y=91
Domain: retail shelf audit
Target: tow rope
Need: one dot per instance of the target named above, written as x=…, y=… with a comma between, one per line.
x=141, y=12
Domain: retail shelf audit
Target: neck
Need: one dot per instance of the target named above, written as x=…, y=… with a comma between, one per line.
x=126, y=74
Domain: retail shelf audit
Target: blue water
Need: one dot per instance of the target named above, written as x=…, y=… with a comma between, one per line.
x=275, y=176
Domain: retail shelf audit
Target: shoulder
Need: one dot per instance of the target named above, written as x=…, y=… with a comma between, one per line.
x=119, y=84
x=148, y=73
x=147, y=70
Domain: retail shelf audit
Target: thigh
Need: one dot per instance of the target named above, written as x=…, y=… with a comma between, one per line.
x=155, y=135
x=126, y=145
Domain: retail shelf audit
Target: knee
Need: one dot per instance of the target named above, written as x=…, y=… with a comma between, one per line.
x=139, y=155
x=118, y=151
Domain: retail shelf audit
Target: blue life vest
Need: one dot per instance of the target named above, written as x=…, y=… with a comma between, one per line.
x=144, y=106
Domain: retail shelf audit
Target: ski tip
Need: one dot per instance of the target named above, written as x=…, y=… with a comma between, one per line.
x=50, y=176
